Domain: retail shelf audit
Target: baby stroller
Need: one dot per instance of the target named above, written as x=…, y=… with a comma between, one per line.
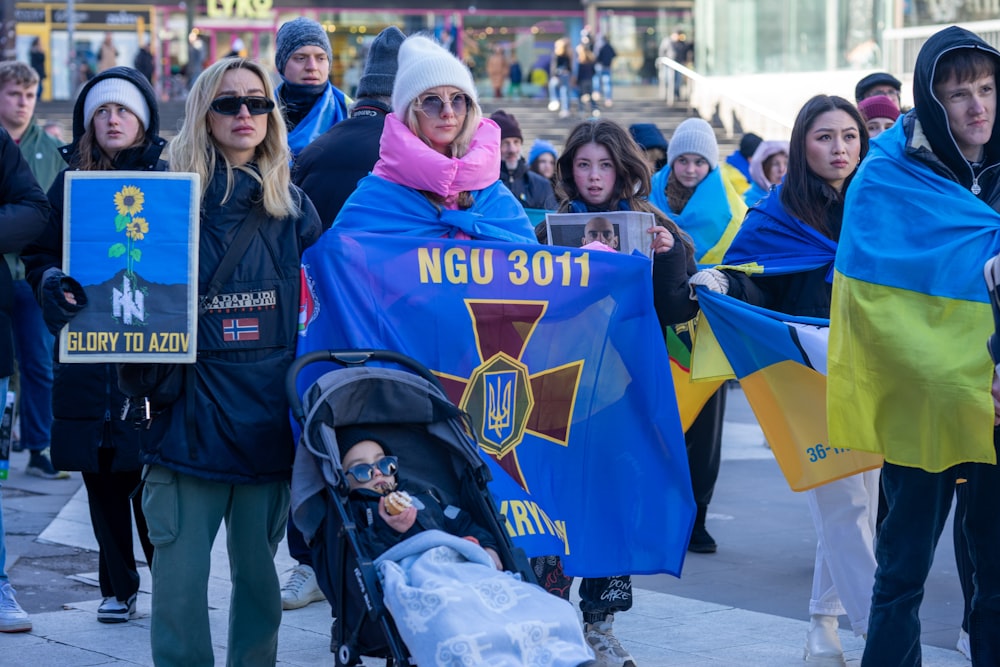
x=409, y=409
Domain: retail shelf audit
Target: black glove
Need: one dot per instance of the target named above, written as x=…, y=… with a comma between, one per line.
x=56, y=310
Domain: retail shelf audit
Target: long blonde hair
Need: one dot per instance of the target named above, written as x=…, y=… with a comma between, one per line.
x=195, y=150
x=460, y=146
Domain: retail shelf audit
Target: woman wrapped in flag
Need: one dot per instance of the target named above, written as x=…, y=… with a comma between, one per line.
x=439, y=161
x=791, y=239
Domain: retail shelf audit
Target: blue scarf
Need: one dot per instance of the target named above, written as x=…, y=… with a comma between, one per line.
x=779, y=243
x=705, y=217
x=380, y=206
x=329, y=108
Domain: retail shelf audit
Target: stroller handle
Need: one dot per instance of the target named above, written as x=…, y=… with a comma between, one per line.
x=347, y=358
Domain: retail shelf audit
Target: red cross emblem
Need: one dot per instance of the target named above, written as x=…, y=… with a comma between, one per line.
x=502, y=396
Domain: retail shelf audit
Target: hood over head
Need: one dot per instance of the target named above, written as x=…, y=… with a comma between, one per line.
x=137, y=79
x=765, y=150
x=929, y=110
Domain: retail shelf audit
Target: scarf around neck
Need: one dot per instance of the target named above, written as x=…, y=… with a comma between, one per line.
x=406, y=160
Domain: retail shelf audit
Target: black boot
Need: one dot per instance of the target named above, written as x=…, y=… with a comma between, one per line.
x=701, y=542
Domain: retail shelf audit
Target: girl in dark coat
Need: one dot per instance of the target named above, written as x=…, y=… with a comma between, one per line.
x=602, y=169
x=115, y=126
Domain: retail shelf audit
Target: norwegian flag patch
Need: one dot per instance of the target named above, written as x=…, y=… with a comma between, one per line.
x=245, y=328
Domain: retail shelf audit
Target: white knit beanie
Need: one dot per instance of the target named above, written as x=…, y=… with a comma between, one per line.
x=116, y=90
x=694, y=136
x=424, y=64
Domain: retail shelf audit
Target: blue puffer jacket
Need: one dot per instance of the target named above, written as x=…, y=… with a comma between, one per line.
x=231, y=423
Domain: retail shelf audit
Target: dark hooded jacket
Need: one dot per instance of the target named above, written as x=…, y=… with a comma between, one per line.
x=929, y=138
x=86, y=403
x=23, y=212
x=531, y=189
x=328, y=169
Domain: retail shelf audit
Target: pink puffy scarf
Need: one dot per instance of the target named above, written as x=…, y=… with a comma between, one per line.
x=406, y=160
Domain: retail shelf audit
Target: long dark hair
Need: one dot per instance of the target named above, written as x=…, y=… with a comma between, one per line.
x=632, y=182
x=804, y=194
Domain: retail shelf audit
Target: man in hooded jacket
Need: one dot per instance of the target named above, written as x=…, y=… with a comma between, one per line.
x=949, y=139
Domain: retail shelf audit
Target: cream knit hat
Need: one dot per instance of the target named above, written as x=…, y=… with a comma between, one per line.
x=116, y=90
x=424, y=64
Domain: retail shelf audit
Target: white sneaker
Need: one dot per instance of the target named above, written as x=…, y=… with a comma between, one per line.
x=12, y=617
x=116, y=611
x=963, y=644
x=300, y=588
x=605, y=645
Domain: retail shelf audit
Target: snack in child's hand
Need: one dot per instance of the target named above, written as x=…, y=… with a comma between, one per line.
x=396, y=502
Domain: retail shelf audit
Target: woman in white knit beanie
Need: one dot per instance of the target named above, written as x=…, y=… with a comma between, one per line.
x=437, y=145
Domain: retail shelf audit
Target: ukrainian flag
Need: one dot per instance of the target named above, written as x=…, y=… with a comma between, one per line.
x=691, y=395
x=909, y=373
x=712, y=216
x=780, y=362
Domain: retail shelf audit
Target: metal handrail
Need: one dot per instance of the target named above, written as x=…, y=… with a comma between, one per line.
x=752, y=117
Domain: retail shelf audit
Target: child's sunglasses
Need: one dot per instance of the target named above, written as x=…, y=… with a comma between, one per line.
x=363, y=472
x=230, y=106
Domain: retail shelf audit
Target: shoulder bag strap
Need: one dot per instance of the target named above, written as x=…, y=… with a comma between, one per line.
x=233, y=255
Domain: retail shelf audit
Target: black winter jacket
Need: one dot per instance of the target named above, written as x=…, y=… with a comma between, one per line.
x=531, y=189
x=377, y=536
x=328, y=169
x=86, y=402
x=929, y=137
x=23, y=214
x=231, y=423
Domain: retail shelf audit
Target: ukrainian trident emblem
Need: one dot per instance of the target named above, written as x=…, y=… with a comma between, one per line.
x=504, y=399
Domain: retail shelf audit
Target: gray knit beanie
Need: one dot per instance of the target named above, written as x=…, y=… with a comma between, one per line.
x=295, y=34
x=380, y=66
x=694, y=136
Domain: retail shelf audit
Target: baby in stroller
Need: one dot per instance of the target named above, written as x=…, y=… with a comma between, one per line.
x=442, y=576
x=371, y=475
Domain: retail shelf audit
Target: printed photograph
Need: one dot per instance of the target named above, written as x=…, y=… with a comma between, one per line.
x=622, y=231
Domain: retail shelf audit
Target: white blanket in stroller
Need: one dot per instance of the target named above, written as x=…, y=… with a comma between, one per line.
x=453, y=608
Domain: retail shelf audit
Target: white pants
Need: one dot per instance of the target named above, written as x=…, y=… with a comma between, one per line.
x=844, y=514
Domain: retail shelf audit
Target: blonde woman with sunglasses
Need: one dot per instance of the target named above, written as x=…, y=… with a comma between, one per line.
x=223, y=451
x=437, y=154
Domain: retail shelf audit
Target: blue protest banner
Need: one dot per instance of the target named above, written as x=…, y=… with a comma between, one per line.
x=556, y=355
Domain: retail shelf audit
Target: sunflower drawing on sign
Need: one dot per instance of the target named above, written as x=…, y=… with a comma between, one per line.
x=128, y=202
x=129, y=302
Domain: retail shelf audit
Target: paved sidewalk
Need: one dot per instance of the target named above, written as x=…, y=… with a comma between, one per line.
x=662, y=630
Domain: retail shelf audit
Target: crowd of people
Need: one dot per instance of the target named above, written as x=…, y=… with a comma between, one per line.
x=414, y=147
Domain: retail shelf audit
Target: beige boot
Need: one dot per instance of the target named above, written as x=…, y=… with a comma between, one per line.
x=822, y=643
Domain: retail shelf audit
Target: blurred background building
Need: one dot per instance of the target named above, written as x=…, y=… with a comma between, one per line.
x=751, y=63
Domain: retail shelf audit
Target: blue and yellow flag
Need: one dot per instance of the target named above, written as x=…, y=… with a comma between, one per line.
x=780, y=362
x=712, y=216
x=553, y=352
x=910, y=374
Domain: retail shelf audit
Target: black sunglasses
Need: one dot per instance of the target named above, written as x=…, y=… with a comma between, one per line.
x=230, y=106
x=432, y=105
x=363, y=472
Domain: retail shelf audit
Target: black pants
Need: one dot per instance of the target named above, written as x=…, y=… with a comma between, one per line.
x=704, y=447
x=598, y=596
x=111, y=514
